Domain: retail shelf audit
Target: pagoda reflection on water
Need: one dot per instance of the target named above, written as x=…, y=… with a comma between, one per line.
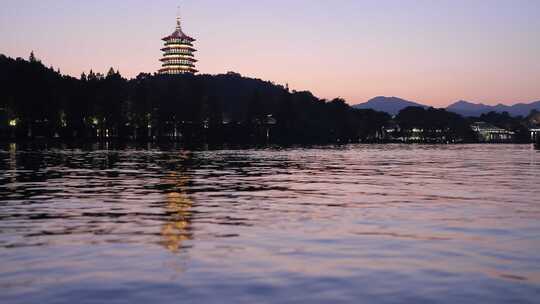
x=178, y=52
x=177, y=229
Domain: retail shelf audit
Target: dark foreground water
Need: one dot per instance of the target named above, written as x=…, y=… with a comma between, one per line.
x=353, y=224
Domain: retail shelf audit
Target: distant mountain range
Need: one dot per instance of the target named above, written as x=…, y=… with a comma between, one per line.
x=466, y=108
x=393, y=105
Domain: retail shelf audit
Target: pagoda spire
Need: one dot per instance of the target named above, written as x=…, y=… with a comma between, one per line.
x=178, y=19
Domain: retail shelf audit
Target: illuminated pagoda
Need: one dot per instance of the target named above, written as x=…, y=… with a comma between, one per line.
x=178, y=52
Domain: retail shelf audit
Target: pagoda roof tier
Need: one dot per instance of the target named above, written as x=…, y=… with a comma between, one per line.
x=178, y=43
x=177, y=70
x=178, y=56
x=186, y=54
x=177, y=65
x=179, y=47
x=178, y=34
x=164, y=59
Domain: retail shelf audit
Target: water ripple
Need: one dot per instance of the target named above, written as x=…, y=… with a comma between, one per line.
x=358, y=223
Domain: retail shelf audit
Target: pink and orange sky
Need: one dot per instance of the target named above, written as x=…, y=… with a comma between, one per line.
x=431, y=51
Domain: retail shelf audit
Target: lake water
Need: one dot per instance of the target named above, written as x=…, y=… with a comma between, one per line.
x=346, y=224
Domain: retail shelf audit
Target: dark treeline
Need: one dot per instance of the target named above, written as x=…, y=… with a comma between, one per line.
x=433, y=125
x=39, y=102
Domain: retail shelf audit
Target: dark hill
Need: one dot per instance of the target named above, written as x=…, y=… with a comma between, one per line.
x=39, y=102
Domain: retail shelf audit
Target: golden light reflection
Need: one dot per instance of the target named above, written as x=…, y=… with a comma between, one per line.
x=13, y=165
x=177, y=229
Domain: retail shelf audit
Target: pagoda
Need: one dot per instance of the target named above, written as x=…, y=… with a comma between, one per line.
x=178, y=52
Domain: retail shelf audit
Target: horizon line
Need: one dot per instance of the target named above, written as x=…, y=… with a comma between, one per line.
x=350, y=103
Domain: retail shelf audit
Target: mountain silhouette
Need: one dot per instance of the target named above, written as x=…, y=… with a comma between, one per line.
x=466, y=108
x=390, y=105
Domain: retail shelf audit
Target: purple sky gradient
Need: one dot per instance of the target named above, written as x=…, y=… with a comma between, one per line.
x=432, y=51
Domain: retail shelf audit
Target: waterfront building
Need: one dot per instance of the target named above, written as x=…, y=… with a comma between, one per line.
x=535, y=133
x=491, y=134
x=394, y=132
x=391, y=131
x=178, y=52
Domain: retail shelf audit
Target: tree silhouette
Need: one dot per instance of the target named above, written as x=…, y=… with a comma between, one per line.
x=32, y=57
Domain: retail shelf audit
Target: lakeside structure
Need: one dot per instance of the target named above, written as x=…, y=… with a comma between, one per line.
x=178, y=52
x=484, y=133
x=535, y=134
x=489, y=133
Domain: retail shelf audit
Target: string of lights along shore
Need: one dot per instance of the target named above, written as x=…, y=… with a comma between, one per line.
x=178, y=53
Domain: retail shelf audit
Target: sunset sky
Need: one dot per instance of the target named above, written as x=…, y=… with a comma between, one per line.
x=433, y=51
